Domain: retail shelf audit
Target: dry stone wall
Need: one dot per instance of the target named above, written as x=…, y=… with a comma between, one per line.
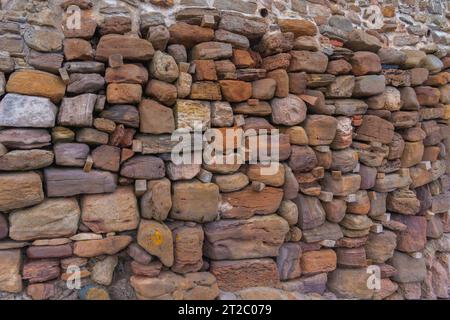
x=93, y=207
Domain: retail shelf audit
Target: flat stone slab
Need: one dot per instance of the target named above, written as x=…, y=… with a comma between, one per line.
x=27, y=111
x=70, y=182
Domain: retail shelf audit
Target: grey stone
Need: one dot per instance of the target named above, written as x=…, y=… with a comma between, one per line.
x=85, y=83
x=371, y=85
x=43, y=40
x=26, y=111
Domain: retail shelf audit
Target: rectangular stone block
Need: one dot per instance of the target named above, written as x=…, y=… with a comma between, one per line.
x=70, y=182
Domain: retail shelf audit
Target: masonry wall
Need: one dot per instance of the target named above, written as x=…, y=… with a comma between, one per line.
x=358, y=91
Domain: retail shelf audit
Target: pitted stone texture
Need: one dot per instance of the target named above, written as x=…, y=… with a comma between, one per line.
x=25, y=111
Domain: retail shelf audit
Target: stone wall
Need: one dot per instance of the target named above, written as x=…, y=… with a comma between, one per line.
x=358, y=89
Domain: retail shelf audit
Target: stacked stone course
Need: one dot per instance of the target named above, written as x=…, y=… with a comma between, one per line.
x=87, y=184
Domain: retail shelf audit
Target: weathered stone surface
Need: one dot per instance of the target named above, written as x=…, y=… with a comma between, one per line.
x=106, y=158
x=288, y=261
x=222, y=114
x=41, y=270
x=156, y=202
x=359, y=40
x=391, y=56
x=189, y=35
x=414, y=238
x=21, y=160
x=70, y=182
x=195, y=201
x=341, y=87
x=10, y=279
x=240, y=274
x=155, y=118
x=380, y=247
x=243, y=25
x=192, y=286
x=123, y=114
x=205, y=90
x=347, y=184
x=53, y=251
x=143, y=167
x=281, y=78
x=52, y=218
x=36, y=83
x=374, y=128
x=364, y=62
x=156, y=238
x=77, y=111
x=247, y=202
x=408, y=268
x=85, y=83
x=188, y=246
x=92, y=136
x=117, y=211
x=349, y=283
x=43, y=40
x=123, y=93
x=403, y=201
x=263, y=89
x=313, y=262
x=288, y=111
x=164, y=67
x=231, y=182
x=19, y=190
x=187, y=112
x=321, y=129
x=299, y=27
x=366, y=86
x=24, y=111
x=236, y=40
x=130, y=48
x=78, y=49
x=310, y=212
x=103, y=270
x=92, y=248
x=24, y=138
x=235, y=90
x=351, y=257
x=41, y=291
x=241, y=239
x=344, y=160
x=311, y=62
x=327, y=231
x=335, y=210
x=255, y=172
x=127, y=73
